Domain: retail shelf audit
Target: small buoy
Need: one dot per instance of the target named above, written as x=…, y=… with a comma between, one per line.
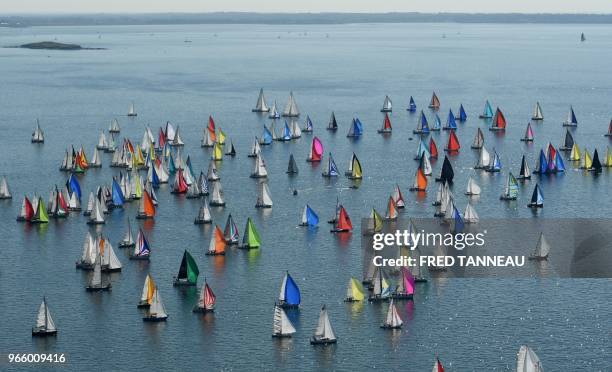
x=295, y=192
x=409, y=138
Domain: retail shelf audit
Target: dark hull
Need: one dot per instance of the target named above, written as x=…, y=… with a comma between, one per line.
x=216, y=204
x=315, y=341
x=153, y=319
x=182, y=283
x=280, y=335
x=98, y=289
x=83, y=266
x=43, y=333
x=377, y=299
x=247, y=247
x=201, y=222
x=126, y=245
x=215, y=254
x=537, y=258
x=533, y=205
x=143, y=305
x=139, y=258
x=143, y=217
x=386, y=326
x=402, y=296
x=202, y=310
x=503, y=197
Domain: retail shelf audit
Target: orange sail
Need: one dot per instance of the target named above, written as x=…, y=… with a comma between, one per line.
x=211, y=129
x=453, y=142
x=149, y=208
x=433, y=149
x=420, y=183
x=499, y=121
x=219, y=241
x=344, y=221
x=435, y=102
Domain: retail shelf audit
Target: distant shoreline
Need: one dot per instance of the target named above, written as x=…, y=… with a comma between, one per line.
x=109, y=19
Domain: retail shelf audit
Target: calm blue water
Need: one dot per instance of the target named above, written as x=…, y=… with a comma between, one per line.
x=472, y=324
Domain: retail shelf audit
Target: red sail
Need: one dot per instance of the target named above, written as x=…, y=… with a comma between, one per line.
x=500, y=120
x=29, y=210
x=344, y=221
x=433, y=148
x=211, y=124
x=552, y=153
x=209, y=297
x=453, y=142
x=181, y=186
x=440, y=368
x=161, y=141
x=60, y=201
x=387, y=122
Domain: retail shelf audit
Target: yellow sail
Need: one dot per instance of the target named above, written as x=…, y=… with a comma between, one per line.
x=218, y=151
x=138, y=157
x=221, y=137
x=378, y=223
x=575, y=154
x=357, y=291
x=356, y=168
x=152, y=153
x=150, y=289
x=608, y=162
x=138, y=191
x=587, y=161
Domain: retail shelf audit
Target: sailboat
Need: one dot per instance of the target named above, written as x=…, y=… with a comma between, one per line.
x=250, y=239
x=356, y=171
x=231, y=150
x=511, y=189
x=291, y=109
x=289, y=296
x=608, y=162
x=308, y=126
x=525, y=172
x=437, y=367
x=260, y=170
x=420, y=180
x=411, y=105
x=230, y=232
x=95, y=283
x=470, y=215
x=398, y=198
x=537, y=199
x=434, y=104
x=38, y=136
x=188, y=271
x=286, y=134
x=26, y=213
x=422, y=125
x=282, y=326
x=499, y=121
x=316, y=151
x=324, y=334
x=96, y=217
x=217, y=243
x=217, y=154
x=487, y=112
x=203, y=216
x=446, y=174
x=114, y=126
x=146, y=209
x=292, y=167
x=128, y=239
x=333, y=124
x=343, y=222
x=263, y=199
x=472, y=187
x=132, y=110
x=392, y=212
x=102, y=142
x=41, y=212
x=96, y=159
x=422, y=151
x=451, y=124
x=405, y=288
x=596, y=164
x=273, y=112
x=484, y=159
x=433, y=149
x=387, y=105
x=386, y=126
x=157, y=310
x=110, y=261
x=331, y=170
x=206, y=301
x=462, y=116
x=568, y=142
x=528, y=137
x=356, y=129
x=211, y=173
x=45, y=326
x=571, y=120
x=537, y=113
x=527, y=360
x=142, y=250
x=309, y=217
x=147, y=292
x=216, y=196
x=495, y=165
x=542, y=249
x=354, y=291
x=261, y=105
x=382, y=288
x=393, y=320
x=452, y=146
x=609, y=134
x=375, y=223
x=5, y=192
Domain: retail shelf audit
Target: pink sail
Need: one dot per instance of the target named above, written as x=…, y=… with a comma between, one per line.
x=408, y=280
x=317, y=148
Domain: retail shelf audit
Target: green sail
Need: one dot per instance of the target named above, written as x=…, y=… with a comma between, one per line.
x=192, y=269
x=251, y=236
x=41, y=212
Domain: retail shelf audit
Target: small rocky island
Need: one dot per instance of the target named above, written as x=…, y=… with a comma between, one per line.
x=52, y=45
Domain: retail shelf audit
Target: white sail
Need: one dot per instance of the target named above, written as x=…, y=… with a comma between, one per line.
x=264, y=199
x=216, y=195
x=44, y=319
x=96, y=215
x=472, y=187
x=261, y=105
x=145, y=289
x=212, y=174
x=256, y=149
x=537, y=112
x=157, y=307
x=110, y=259
x=393, y=318
x=96, y=278
x=470, y=215
x=387, y=105
x=169, y=131
x=114, y=126
x=484, y=160
x=38, y=135
x=96, y=160
x=296, y=132
x=73, y=202
x=304, y=220
x=527, y=360
x=128, y=238
x=207, y=139
x=260, y=167
x=274, y=112
x=427, y=170
x=543, y=248
x=90, y=203
x=131, y=110
x=102, y=141
x=324, y=329
x=291, y=108
x=282, y=324
x=177, y=140
x=5, y=193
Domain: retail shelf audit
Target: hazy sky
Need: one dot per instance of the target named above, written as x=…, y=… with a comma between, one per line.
x=484, y=6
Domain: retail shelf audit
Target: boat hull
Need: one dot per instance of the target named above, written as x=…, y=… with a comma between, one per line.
x=215, y=253
x=143, y=305
x=402, y=296
x=182, y=283
x=202, y=310
x=143, y=217
x=154, y=319
x=280, y=335
x=126, y=245
x=217, y=204
x=387, y=326
x=139, y=258
x=378, y=299
x=43, y=333
x=202, y=222
x=98, y=288
x=318, y=341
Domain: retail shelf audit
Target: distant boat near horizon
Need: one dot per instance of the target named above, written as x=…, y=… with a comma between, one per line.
x=261, y=105
x=38, y=135
x=132, y=111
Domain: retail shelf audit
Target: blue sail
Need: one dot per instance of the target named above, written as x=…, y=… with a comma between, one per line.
x=73, y=186
x=462, y=115
x=574, y=121
x=144, y=245
x=559, y=163
x=311, y=216
x=437, y=123
x=171, y=166
x=292, y=292
x=358, y=127
x=188, y=163
x=333, y=169
x=286, y=132
x=423, y=150
x=542, y=166
x=203, y=184
x=412, y=106
x=266, y=137
x=458, y=220
x=496, y=162
x=308, y=123
x=118, y=198
x=539, y=196
x=423, y=125
x=450, y=121
x=154, y=177
x=488, y=111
